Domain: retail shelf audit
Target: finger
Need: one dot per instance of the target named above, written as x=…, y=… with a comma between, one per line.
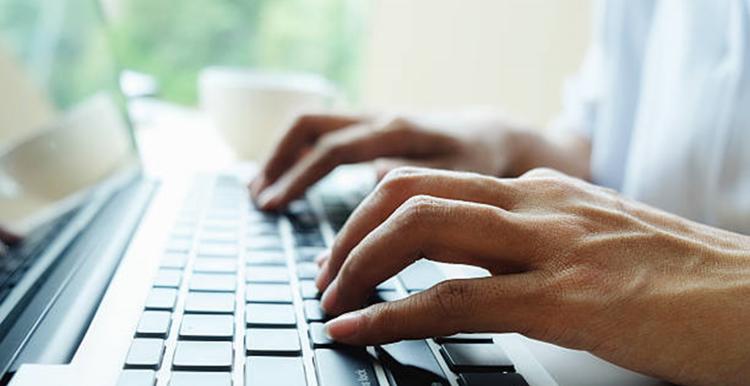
x=400, y=186
x=322, y=257
x=303, y=133
x=542, y=173
x=384, y=166
x=8, y=237
x=494, y=304
x=353, y=144
x=438, y=229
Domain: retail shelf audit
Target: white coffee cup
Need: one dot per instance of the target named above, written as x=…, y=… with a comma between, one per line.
x=250, y=107
x=72, y=154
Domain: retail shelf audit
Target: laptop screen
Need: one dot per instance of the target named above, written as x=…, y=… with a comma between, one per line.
x=62, y=127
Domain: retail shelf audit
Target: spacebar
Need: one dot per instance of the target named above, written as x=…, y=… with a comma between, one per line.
x=344, y=367
x=412, y=363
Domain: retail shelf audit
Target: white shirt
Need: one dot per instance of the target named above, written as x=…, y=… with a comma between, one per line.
x=664, y=94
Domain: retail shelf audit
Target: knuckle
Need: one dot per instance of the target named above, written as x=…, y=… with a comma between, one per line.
x=398, y=123
x=451, y=298
x=555, y=186
x=301, y=122
x=419, y=207
x=400, y=180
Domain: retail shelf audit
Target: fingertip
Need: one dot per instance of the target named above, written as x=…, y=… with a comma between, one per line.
x=322, y=257
x=257, y=185
x=346, y=327
x=323, y=279
x=269, y=198
x=329, y=298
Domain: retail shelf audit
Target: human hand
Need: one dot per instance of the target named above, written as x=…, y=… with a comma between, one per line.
x=316, y=144
x=6, y=239
x=572, y=264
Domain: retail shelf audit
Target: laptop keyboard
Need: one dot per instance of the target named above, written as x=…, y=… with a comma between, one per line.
x=15, y=261
x=234, y=303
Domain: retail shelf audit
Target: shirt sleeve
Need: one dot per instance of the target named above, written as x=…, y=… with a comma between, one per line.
x=581, y=91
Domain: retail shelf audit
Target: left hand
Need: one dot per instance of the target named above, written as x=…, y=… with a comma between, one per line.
x=572, y=263
x=6, y=239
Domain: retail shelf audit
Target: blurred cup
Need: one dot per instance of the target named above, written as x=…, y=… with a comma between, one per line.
x=82, y=147
x=249, y=107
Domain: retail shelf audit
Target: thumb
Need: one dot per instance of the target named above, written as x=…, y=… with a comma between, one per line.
x=445, y=309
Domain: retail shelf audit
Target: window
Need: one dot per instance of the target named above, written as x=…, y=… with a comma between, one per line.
x=174, y=39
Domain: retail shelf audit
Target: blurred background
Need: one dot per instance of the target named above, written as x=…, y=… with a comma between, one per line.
x=380, y=55
x=422, y=54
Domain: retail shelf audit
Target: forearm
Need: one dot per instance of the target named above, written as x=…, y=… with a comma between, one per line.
x=570, y=154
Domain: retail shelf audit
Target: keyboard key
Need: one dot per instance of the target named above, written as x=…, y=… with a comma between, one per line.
x=220, y=225
x=272, y=341
x=270, y=315
x=307, y=271
x=268, y=293
x=206, y=356
x=265, y=243
x=476, y=357
x=492, y=379
x=174, y=260
x=207, y=327
x=161, y=299
x=145, y=353
x=168, y=278
x=387, y=296
x=266, y=258
x=308, y=254
x=261, y=274
x=137, y=378
x=313, y=311
x=195, y=378
x=274, y=371
x=213, y=282
x=465, y=338
x=221, y=237
x=218, y=250
x=179, y=245
x=344, y=367
x=388, y=285
x=209, y=303
x=309, y=290
x=262, y=229
x=411, y=362
x=318, y=336
x=309, y=239
x=421, y=275
x=215, y=265
x=154, y=324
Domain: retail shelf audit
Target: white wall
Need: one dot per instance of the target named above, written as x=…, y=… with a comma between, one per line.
x=511, y=54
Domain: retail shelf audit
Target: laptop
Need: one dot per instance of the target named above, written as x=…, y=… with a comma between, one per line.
x=125, y=280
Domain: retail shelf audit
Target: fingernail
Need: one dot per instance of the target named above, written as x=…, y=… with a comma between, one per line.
x=321, y=257
x=328, y=300
x=345, y=326
x=322, y=280
x=256, y=185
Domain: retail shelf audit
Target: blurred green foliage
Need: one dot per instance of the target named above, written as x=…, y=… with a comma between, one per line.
x=63, y=46
x=174, y=39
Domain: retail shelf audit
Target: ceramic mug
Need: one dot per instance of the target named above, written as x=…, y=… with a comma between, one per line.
x=249, y=107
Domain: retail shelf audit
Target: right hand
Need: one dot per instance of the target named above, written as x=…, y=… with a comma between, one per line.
x=316, y=144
